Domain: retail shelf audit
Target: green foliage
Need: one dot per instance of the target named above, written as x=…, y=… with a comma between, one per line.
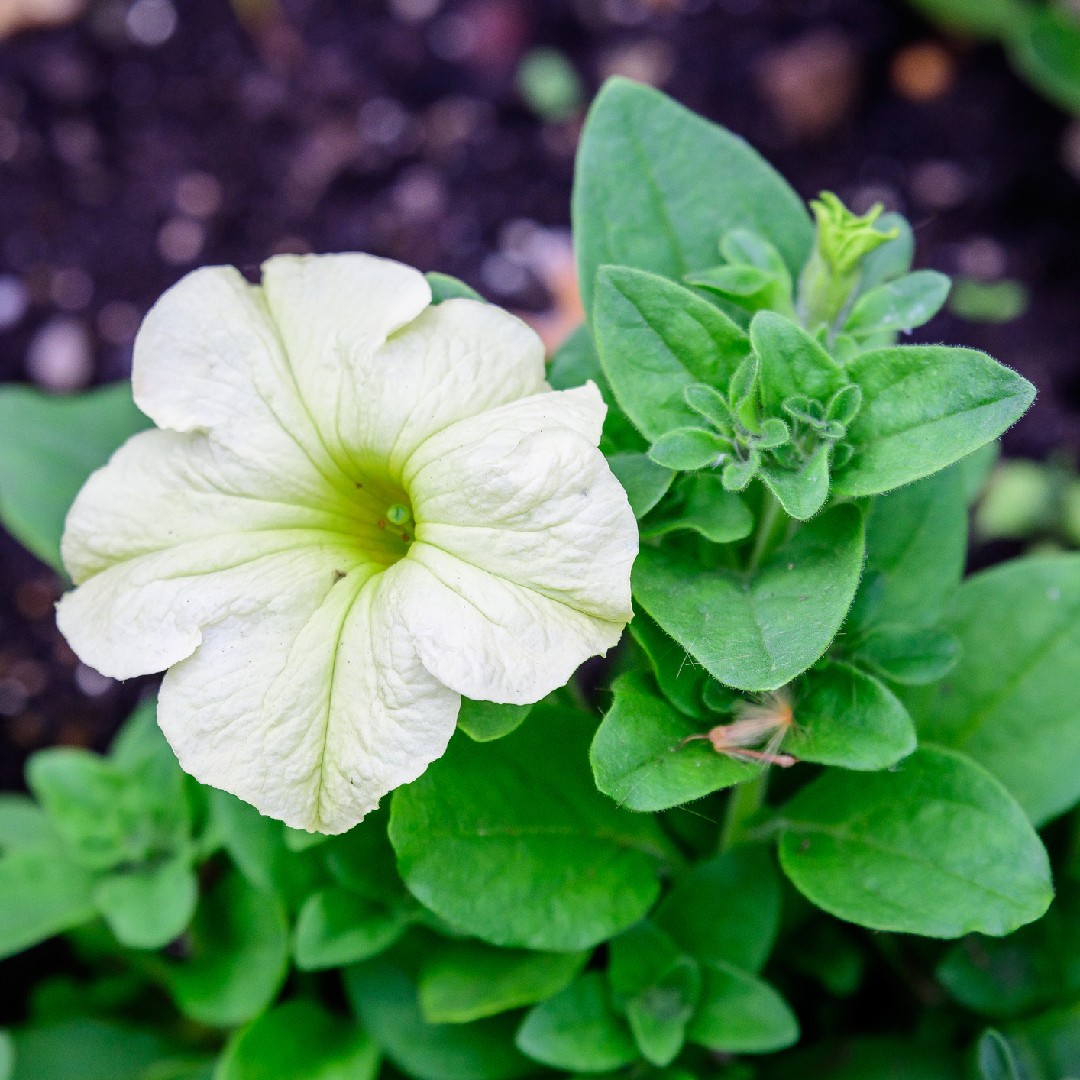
x=637, y=875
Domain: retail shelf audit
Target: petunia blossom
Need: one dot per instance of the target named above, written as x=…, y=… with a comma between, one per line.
x=357, y=507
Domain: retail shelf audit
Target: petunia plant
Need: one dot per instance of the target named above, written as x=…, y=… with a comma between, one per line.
x=800, y=820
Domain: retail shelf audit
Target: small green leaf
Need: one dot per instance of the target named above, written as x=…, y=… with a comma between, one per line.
x=846, y=718
x=24, y=826
x=656, y=186
x=726, y=909
x=86, y=1048
x=299, y=1040
x=42, y=893
x=445, y=287
x=237, y=955
x=337, y=927
x=804, y=491
x=740, y=1014
x=1011, y=701
x=467, y=980
x=655, y=339
x=891, y=259
x=708, y=402
x=512, y=843
x=577, y=1029
x=899, y=305
x=1047, y=1047
x=148, y=907
x=384, y=996
x=924, y=407
x=363, y=861
x=484, y=721
x=937, y=848
x=646, y=482
x=758, y=632
x=686, y=449
x=737, y=475
x=48, y=448
x=638, y=757
x=792, y=362
x=718, y=515
x=657, y=987
x=681, y=678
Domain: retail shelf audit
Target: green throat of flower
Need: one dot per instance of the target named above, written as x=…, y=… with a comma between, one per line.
x=384, y=522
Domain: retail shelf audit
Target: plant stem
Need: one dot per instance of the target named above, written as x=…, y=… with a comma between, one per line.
x=745, y=801
x=770, y=514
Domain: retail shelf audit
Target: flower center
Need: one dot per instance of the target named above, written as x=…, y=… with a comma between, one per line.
x=384, y=526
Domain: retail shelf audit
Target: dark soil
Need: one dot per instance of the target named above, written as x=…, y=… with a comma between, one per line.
x=398, y=128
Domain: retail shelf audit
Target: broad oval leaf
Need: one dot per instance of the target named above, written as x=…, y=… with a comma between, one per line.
x=656, y=187
x=758, y=631
x=336, y=927
x=792, y=363
x=1011, y=702
x=741, y=1014
x=924, y=407
x=936, y=847
x=510, y=841
x=655, y=339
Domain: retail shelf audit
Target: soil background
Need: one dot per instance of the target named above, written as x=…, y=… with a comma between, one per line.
x=151, y=136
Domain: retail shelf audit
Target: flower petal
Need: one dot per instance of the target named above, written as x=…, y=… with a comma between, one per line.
x=488, y=638
x=378, y=368
x=312, y=711
x=523, y=493
x=165, y=488
x=208, y=358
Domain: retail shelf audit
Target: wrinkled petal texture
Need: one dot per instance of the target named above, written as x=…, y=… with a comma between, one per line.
x=316, y=656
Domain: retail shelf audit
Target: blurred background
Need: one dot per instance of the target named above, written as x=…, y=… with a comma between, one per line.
x=142, y=138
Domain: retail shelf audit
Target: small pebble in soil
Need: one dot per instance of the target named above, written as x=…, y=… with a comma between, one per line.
x=151, y=22
x=982, y=257
x=59, y=356
x=118, y=322
x=180, y=240
x=71, y=288
x=939, y=185
x=92, y=683
x=199, y=195
x=13, y=301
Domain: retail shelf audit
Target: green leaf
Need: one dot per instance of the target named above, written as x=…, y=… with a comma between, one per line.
x=936, y=848
x=24, y=826
x=577, y=1029
x=1046, y=49
x=901, y=304
x=383, y=995
x=911, y=656
x=575, y=363
x=484, y=721
x=801, y=492
x=1035, y=968
x=337, y=927
x=445, y=287
x=657, y=987
x=1002, y=17
x=996, y=1058
x=680, y=677
x=237, y=954
x=687, y=448
x=916, y=545
x=646, y=482
x=656, y=186
x=655, y=339
x=740, y=1014
x=42, y=893
x=1011, y=701
x=467, y=980
x=258, y=847
x=893, y=258
x=758, y=631
x=792, y=363
x=363, y=861
x=637, y=756
x=48, y=448
x=737, y=281
x=847, y=718
x=85, y=1048
x=726, y=910
x=299, y=1041
x=1047, y=1047
x=148, y=907
x=707, y=509
x=924, y=407
x=512, y=843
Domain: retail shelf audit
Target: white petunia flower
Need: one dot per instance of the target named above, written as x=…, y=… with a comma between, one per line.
x=358, y=507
